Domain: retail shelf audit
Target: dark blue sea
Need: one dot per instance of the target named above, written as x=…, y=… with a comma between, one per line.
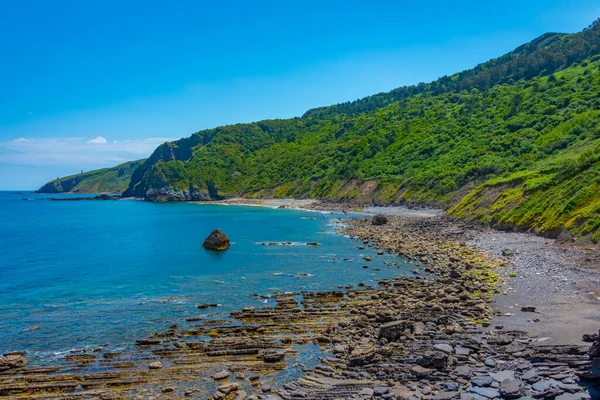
x=80, y=274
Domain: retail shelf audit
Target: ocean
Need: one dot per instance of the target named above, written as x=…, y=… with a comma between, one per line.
x=80, y=274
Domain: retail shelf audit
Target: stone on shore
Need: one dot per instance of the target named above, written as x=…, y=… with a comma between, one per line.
x=155, y=365
x=221, y=375
x=217, y=240
x=379, y=220
x=12, y=361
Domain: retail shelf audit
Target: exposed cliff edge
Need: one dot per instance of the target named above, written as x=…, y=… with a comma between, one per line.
x=105, y=180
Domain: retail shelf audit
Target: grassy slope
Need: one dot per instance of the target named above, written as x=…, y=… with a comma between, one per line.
x=506, y=142
x=106, y=180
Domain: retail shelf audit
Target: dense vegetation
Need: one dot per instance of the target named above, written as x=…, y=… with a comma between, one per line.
x=514, y=141
x=106, y=180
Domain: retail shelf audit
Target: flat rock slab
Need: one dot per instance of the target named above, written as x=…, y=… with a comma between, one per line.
x=511, y=388
x=502, y=375
x=446, y=348
x=464, y=371
x=486, y=392
x=482, y=381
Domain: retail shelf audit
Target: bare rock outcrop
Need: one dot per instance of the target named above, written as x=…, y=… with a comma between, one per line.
x=217, y=240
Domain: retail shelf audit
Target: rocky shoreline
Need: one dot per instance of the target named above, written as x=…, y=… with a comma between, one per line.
x=430, y=336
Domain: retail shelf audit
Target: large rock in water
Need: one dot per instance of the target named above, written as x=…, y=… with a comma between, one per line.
x=217, y=240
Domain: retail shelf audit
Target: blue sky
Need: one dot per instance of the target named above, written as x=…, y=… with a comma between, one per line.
x=91, y=84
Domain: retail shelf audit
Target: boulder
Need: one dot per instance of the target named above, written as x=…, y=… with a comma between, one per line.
x=11, y=361
x=155, y=365
x=221, y=375
x=379, y=220
x=217, y=240
x=272, y=356
x=392, y=331
x=435, y=359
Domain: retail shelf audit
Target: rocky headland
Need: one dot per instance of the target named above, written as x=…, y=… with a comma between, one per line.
x=460, y=327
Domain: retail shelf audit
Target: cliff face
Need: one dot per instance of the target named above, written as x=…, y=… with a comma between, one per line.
x=106, y=180
x=529, y=118
x=151, y=182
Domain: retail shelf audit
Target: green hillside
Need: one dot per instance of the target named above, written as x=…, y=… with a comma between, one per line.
x=106, y=180
x=514, y=141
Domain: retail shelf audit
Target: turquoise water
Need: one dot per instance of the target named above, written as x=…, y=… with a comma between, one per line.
x=77, y=274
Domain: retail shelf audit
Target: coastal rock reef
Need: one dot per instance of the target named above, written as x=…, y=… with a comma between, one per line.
x=425, y=336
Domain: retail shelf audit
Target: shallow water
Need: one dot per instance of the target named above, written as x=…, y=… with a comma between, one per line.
x=76, y=274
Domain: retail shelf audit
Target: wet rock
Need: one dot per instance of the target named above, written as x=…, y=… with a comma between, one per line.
x=155, y=365
x=12, y=361
x=205, y=306
x=167, y=389
x=312, y=244
x=217, y=240
x=221, y=375
x=229, y=387
x=147, y=342
x=339, y=349
x=241, y=395
x=379, y=220
x=266, y=388
x=361, y=355
x=272, y=356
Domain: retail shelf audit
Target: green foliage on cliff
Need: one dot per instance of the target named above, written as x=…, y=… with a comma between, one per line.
x=514, y=141
x=106, y=180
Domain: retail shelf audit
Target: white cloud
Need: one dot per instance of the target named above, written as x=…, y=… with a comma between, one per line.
x=75, y=152
x=97, y=140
